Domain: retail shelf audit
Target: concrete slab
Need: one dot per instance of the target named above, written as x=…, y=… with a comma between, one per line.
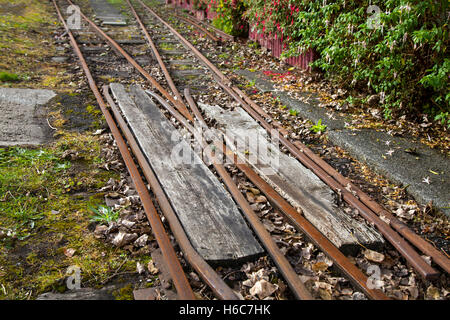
x=22, y=116
x=400, y=166
x=80, y=294
x=106, y=12
x=370, y=146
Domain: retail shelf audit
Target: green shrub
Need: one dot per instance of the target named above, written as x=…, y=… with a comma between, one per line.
x=403, y=59
x=229, y=16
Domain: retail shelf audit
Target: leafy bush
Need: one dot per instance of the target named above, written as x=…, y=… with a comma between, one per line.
x=199, y=4
x=400, y=54
x=229, y=16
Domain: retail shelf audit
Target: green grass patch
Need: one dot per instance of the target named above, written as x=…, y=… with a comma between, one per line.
x=44, y=209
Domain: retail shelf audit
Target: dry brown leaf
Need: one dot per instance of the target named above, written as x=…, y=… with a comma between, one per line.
x=433, y=293
x=320, y=266
x=373, y=256
x=263, y=289
x=151, y=268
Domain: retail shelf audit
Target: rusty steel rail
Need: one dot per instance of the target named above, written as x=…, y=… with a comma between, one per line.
x=211, y=278
x=219, y=32
x=156, y=53
x=179, y=104
x=293, y=280
x=181, y=283
x=185, y=42
x=206, y=32
x=404, y=248
x=363, y=202
x=356, y=276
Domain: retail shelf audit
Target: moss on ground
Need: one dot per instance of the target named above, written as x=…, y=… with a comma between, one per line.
x=44, y=211
x=27, y=49
x=44, y=194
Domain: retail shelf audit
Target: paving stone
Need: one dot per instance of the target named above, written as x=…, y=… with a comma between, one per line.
x=22, y=117
x=106, y=12
x=80, y=294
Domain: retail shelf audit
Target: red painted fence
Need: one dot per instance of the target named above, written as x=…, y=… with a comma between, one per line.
x=274, y=45
x=276, y=48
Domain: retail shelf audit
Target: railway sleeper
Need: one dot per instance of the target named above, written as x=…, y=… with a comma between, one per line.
x=210, y=217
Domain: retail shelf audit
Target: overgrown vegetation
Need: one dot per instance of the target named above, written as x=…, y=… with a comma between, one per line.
x=25, y=26
x=396, y=50
x=229, y=16
x=44, y=202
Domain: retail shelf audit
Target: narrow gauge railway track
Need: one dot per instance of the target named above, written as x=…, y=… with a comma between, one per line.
x=182, y=114
x=372, y=211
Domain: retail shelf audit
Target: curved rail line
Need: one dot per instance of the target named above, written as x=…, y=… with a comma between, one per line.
x=278, y=257
x=180, y=281
x=211, y=278
x=368, y=208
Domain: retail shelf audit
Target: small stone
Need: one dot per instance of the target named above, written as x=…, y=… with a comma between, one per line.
x=358, y=296
x=128, y=224
x=139, y=268
x=427, y=259
x=59, y=59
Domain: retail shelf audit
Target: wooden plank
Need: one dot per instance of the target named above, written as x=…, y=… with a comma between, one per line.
x=297, y=184
x=207, y=212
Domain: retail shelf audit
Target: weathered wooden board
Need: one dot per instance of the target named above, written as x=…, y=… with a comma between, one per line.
x=211, y=219
x=297, y=184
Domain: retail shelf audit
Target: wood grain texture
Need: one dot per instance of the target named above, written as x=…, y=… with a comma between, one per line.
x=207, y=212
x=297, y=184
